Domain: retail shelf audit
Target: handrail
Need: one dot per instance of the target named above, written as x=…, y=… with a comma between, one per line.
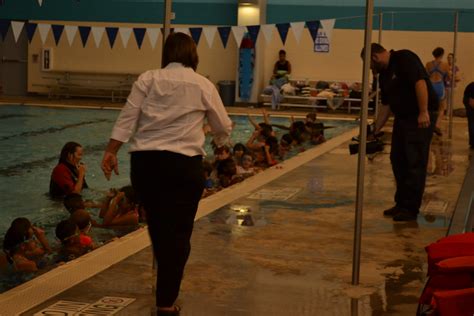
x=463, y=216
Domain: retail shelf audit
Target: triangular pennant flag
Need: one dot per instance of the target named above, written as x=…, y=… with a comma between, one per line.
x=182, y=30
x=297, y=28
x=224, y=32
x=139, y=35
x=125, y=33
x=313, y=27
x=4, y=26
x=328, y=26
x=71, y=31
x=84, y=32
x=196, y=33
x=238, y=32
x=30, y=30
x=267, y=30
x=283, y=31
x=153, y=33
x=40, y=2
x=209, y=34
x=57, y=32
x=253, y=32
x=112, y=35
x=43, y=30
x=97, y=34
x=17, y=27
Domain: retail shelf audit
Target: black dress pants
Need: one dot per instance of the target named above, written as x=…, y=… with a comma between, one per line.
x=169, y=186
x=470, y=123
x=409, y=158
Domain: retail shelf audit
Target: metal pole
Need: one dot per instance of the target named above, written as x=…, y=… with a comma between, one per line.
x=453, y=71
x=166, y=20
x=377, y=94
x=369, y=9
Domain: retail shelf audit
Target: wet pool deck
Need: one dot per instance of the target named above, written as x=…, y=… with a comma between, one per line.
x=291, y=253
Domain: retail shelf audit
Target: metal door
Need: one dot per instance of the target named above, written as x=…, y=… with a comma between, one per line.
x=14, y=64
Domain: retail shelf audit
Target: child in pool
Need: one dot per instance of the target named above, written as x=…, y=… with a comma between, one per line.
x=82, y=219
x=123, y=209
x=246, y=168
x=286, y=142
x=237, y=152
x=25, y=246
x=227, y=172
x=73, y=245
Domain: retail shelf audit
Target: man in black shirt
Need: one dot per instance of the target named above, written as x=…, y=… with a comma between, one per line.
x=406, y=92
x=468, y=101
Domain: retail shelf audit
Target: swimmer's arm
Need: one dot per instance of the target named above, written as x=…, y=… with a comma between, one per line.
x=289, y=68
x=41, y=236
x=250, y=143
x=22, y=264
x=129, y=219
x=252, y=121
x=113, y=209
x=266, y=117
x=382, y=117
x=281, y=126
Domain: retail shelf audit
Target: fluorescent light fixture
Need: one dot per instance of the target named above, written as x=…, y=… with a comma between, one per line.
x=248, y=2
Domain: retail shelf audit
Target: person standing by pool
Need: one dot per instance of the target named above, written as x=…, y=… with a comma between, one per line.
x=69, y=174
x=406, y=88
x=438, y=71
x=468, y=101
x=163, y=120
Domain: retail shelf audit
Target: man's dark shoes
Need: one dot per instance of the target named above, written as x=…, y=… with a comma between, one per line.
x=391, y=211
x=405, y=216
x=438, y=131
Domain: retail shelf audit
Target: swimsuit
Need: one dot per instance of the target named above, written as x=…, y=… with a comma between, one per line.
x=438, y=86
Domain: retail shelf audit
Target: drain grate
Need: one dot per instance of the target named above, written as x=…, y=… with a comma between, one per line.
x=275, y=194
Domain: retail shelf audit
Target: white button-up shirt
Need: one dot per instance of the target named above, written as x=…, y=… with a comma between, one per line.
x=166, y=110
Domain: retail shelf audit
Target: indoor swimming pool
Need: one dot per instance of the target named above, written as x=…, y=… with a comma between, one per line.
x=31, y=139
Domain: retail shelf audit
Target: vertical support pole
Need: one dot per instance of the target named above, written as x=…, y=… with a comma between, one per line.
x=166, y=20
x=377, y=93
x=453, y=71
x=369, y=9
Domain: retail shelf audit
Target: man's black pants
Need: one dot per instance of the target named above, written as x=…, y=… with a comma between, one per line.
x=169, y=186
x=470, y=123
x=409, y=157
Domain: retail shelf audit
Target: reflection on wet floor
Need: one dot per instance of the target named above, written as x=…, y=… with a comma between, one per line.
x=286, y=249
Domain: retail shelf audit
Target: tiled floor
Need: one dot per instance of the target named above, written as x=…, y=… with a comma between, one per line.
x=292, y=255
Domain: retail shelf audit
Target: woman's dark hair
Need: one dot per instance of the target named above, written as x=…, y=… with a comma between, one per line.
x=438, y=52
x=130, y=194
x=225, y=166
x=239, y=147
x=272, y=142
x=287, y=139
x=68, y=148
x=282, y=51
x=180, y=48
x=16, y=234
x=65, y=229
x=73, y=202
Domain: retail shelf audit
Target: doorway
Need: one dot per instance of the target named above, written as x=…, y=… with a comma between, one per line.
x=14, y=64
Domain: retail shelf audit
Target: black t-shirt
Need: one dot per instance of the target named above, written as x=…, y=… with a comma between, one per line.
x=468, y=93
x=282, y=66
x=397, y=84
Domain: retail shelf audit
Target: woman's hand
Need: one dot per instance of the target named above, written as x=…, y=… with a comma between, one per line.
x=109, y=164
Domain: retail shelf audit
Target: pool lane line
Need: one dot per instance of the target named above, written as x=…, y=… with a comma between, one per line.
x=24, y=167
x=52, y=130
x=32, y=293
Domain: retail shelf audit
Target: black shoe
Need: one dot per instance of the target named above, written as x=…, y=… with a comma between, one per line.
x=438, y=131
x=405, y=216
x=391, y=211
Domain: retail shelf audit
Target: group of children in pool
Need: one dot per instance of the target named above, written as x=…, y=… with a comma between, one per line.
x=26, y=248
x=262, y=150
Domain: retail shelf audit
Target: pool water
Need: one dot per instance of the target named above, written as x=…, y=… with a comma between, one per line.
x=31, y=139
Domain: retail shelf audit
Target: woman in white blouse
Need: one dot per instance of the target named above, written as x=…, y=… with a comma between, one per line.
x=163, y=120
